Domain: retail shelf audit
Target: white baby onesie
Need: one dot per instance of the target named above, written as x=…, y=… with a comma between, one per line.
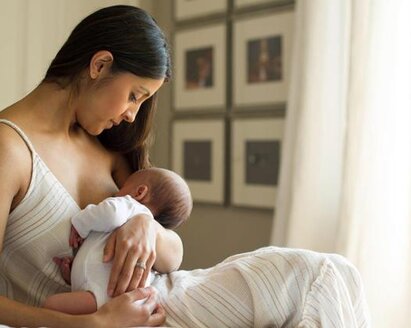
x=95, y=223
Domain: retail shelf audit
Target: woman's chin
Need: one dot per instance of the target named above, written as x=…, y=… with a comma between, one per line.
x=95, y=131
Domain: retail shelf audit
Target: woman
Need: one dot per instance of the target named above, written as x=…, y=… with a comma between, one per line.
x=59, y=152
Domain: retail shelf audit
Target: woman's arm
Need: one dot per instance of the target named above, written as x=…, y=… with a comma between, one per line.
x=119, y=312
x=19, y=315
x=15, y=172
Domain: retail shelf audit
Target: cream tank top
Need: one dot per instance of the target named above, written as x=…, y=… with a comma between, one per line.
x=37, y=230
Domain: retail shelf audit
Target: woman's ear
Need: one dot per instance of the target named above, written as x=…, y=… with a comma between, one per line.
x=100, y=63
x=141, y=192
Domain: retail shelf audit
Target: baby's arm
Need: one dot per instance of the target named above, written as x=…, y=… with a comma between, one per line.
x=79, y=302
x=108, y=215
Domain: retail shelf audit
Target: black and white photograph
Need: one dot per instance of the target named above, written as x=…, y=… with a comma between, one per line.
x=261, y=63
x=199, y=68
x=264, y=60
x=256, y=154
x=200, y=75
x=198, y=156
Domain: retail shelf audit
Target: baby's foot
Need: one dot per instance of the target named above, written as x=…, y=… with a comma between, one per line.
x=64, y=264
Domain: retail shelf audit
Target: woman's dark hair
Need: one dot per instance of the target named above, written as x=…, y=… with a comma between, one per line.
x=139, y=47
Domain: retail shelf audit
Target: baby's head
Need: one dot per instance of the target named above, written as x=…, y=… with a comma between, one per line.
x=164, y=192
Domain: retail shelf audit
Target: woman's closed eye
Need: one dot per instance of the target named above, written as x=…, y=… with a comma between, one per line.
x=134, y=97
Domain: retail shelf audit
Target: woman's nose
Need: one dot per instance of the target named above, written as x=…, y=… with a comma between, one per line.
x=130, y=115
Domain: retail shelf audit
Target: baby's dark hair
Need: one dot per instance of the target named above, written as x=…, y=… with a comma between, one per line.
x=171, y=196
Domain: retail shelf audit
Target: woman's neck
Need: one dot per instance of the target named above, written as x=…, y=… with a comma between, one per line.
x=48, y=107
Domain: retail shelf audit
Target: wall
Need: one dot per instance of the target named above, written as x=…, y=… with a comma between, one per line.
x=213, y=232
x=31, y=32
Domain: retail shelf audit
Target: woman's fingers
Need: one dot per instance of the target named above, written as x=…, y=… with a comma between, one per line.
x=136, y=308
x=110, y=247
x=135, y=244
x=149, y=294
x=135, y=280
x=127, y=273
x=116, y=269
x=140, y=273
x=150, y=303
x=157, y=315
x=141, y=293
x=149, y=265
x=157, y=318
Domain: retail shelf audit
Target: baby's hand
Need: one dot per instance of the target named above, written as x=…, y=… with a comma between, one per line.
x=75, y=239
x=65, y=263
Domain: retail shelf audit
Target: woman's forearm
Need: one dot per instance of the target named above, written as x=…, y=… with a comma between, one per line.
x=16, y=314
x=169, y=250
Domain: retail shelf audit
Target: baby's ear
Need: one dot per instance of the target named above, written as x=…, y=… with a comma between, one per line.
x=141, y=192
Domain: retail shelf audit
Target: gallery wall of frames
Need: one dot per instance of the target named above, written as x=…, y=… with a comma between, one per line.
x=231, y=75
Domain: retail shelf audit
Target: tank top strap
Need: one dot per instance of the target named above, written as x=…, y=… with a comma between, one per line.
x=21, y=133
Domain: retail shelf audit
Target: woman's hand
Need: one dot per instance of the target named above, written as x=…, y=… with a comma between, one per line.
x=122, y=311
x=133, y=246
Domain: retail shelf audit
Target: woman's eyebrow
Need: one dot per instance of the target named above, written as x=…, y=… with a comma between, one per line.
x=147, y=93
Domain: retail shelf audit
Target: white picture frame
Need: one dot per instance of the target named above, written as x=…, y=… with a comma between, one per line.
x=187, y=9
x=267, y=131
x=208, y=188
x=274, y=32
x=204, y=46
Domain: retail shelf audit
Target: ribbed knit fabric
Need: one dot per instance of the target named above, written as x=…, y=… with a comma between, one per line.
x=37, y=229
x=270, y=287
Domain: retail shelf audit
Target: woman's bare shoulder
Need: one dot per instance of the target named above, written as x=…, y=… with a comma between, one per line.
x=15, y=170
x=15, y=157
x=11, y=143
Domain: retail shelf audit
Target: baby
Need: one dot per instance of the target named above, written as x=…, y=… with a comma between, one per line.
x=157, y=192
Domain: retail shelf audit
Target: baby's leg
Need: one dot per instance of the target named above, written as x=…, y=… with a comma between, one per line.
x=81, y=302
x=64, y=264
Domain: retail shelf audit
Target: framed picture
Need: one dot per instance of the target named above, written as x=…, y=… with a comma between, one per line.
x=246, y=3
x=255, y=158
x=198, y=156
x=200, y=70
x=186, y=9
x=262, y=50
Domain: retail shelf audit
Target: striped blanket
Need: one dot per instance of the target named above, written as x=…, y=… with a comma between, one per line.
x=270, y=287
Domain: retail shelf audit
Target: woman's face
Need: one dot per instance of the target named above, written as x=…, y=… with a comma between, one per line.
x=114, y=100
